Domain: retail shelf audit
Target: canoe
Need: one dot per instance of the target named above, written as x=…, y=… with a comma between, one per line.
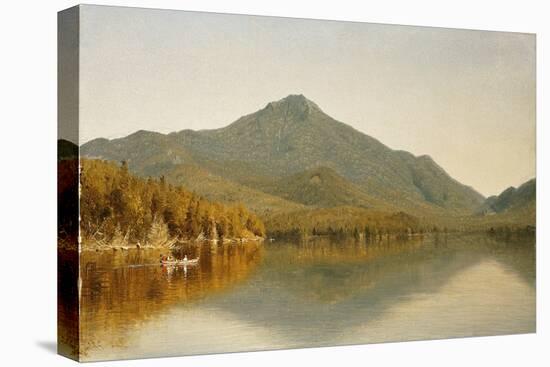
x=180, y=262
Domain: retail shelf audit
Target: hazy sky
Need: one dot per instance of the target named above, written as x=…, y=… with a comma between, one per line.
x=467, y=98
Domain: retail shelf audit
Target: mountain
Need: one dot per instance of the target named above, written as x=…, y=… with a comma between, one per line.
x=322, y=187
x=216, y=188
x=513, y=200
x=286, y=142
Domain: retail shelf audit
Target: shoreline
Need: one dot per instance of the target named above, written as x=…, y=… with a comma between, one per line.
x=175, y=243
x=95, y=247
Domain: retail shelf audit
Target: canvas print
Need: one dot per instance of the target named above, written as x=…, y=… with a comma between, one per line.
x=240, y=183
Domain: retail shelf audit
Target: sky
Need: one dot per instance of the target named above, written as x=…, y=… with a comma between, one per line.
x=466, y=98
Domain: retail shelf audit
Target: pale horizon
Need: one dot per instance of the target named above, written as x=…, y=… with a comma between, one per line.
x=466, y=98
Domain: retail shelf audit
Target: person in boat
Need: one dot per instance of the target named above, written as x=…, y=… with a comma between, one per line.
x=166, y=258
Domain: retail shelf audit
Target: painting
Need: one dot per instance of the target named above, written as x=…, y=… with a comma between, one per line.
x=232, y=183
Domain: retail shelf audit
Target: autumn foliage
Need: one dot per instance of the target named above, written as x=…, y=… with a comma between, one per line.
x=117, y=207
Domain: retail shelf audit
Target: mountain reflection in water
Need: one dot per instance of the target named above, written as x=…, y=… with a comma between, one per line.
x=314, y=293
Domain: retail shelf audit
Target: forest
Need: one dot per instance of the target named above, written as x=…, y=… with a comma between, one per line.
x=120, y=209
x=344, y=221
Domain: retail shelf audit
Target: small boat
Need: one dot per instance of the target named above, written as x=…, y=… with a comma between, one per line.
x=175, y=262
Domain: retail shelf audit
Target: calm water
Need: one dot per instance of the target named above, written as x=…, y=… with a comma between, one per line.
x=323, y=292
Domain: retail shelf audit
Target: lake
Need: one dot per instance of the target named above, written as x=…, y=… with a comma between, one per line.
x=321, y=292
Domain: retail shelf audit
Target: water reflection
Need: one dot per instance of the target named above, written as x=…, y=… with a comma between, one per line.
x=122, y=290
x=321, y=292
x=67, y=304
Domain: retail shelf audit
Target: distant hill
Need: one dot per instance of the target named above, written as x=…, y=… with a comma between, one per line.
x=284, y=143
x=322, y=187
x=513, y=201
x=216, y=188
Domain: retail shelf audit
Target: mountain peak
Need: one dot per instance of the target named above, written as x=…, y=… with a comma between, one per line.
x=295, y=98
x=296, y=104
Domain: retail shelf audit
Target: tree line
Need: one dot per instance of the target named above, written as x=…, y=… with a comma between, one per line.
x=344, y=222
x=119, y=208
